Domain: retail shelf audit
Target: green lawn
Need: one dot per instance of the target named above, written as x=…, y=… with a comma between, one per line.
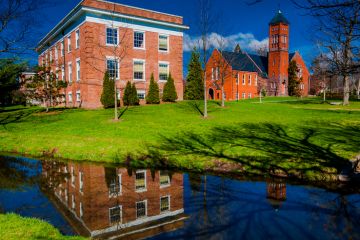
x=281, y=135
x=14, y=227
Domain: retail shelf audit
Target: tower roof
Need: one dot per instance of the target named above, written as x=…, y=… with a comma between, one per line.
x=279, y=18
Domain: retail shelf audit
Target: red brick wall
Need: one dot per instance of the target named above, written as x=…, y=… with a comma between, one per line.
x=230, y=85
x=133, y=11
x=93, y=52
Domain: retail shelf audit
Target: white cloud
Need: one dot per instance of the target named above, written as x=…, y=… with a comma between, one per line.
x=247, y=42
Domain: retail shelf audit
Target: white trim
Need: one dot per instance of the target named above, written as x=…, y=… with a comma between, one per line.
x=69, y=45
x=100, y=11
x=138, y=222
x=78, y=69
x=169, y=197
x=144, y=65
x=70, y=80
x=144, y=40
x=78, y=99
x=133, y=26
x=77, y=38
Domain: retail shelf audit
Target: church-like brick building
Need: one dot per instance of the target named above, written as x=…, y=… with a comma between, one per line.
x=244, y=75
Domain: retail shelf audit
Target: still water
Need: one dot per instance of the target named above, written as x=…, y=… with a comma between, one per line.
x=113, y=202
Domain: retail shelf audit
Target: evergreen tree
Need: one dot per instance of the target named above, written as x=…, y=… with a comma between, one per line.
x=194, y=89
x=127, y=94
x=153, y=94
x=108, y=92
x=169, y=94
x=134, y=99
x=294, y=82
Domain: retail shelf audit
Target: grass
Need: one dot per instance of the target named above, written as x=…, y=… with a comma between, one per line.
x=280, y=136
x=16, y=227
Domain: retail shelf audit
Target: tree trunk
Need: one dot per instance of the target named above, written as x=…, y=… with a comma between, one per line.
x=346, y=90
x=223, y=96
x=324, y=94
x=260, y=95
x=205, y=96
x=116, y=117
x=358, y=89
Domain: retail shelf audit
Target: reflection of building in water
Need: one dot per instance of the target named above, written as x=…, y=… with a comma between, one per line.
x=276, y=193
x=107, y=202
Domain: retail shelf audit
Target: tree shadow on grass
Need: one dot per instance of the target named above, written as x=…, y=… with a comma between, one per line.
x=197, y=106
x=16, y=116
x=267, y=148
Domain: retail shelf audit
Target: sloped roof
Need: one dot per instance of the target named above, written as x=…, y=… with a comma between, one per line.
x=279, y=18
x=291, y=55
x=240, y=61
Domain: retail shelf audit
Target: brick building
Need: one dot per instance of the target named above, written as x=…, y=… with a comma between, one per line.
x=104, y=202
x=130, y=43
x=244, y=75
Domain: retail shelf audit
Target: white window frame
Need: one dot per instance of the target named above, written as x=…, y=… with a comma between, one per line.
x=142, y=189
x=72, y=172
x=77, y=38
x=249, y=96
x=243, y=95
x=117, y=36
x=56, y=53
x=121, y=214
x=144, y=65
x=81, y=210
x=78, y=70
x=70, y=73
x=69, y=43
x=62, y=47
x=73, y=202
x=168, y=210
x=212, y=74
x=144, y=40
x=164, y=185
x=256, y=80
x=57, y=73
x=112, y=58
x=119, y=178
x=50, y=52
x=141, y=91
x=168, y=70
x=78, y=93
x=146, y=208
x=62, y=72
x=81, y=181
x=168, y=43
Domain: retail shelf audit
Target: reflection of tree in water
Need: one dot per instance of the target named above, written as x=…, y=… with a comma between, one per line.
x=342, y=214
x=17, y=172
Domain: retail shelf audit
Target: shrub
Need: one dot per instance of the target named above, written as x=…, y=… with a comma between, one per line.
x=153, y=94
x=127, y=94
x=169, y=94
x=134, y=100
x=108, y=92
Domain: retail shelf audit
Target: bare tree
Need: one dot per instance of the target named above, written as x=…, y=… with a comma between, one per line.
x=339, y=33
x=117, y=49
x=355, y=84
x=18, y=21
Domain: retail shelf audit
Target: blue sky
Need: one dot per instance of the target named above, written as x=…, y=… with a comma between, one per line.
x=237, y=20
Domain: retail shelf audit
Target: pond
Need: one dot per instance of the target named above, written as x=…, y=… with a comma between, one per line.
x=115, y=202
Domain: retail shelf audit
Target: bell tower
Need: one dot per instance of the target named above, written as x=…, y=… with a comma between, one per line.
x=279, y=53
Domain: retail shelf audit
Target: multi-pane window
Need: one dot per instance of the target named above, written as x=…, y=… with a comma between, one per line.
x=249, y=95
x=50, y=55
x=164, y=178
x=62, y=48
x=70, y=72
x=237, y=78
x=112, y=66
x=72, y=168
x=115, y=215
x=249, y=82
x=77, y=38
x=118, y=94
x=78, y=70
x=163, y=43
x=243, y=79
x=141, y=209
x=81, y=178
x=212, y=74
x=140, y=180
x=56, y=53
x=163, y=71
x=112, y=36
x=81, y=210
x=63, y=72
x=115, y=186
x=69, y=43
x=243, y=95
x=164, y=204
x=256, y=80
x=139, y=40
x=217, y=73
x=72, y=201
x=139, y=69
x=141, y=94
x=78, y=96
